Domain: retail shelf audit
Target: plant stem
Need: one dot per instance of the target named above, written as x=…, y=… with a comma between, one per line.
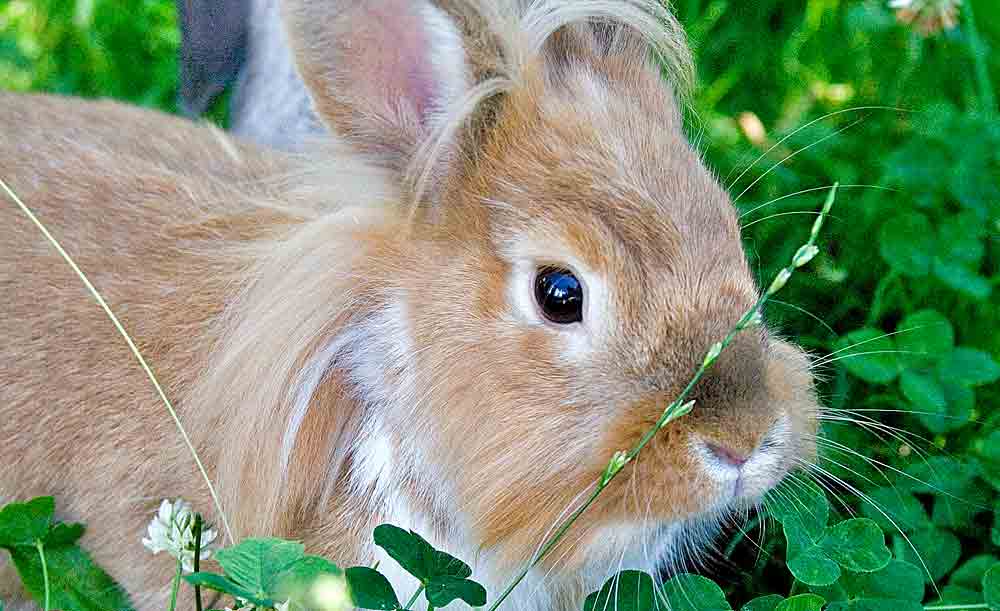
x=45, y=571
x=955, y=607
x=414, y=598
x=131, y=345
x=177, y=584
x=197, y=558
x=678, y=407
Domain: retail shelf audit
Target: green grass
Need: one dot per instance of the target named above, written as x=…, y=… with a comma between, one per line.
x=913, y=139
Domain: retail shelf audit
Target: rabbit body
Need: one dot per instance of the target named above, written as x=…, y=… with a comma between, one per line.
x=358, y=335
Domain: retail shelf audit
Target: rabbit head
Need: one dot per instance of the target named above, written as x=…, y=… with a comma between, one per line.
x=550, y=270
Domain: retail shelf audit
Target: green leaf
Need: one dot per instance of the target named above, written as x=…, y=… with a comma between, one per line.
x=803, y=505
x=960, y=401
x=443, y=590
x=64, y=534
x=870, y=355
x=957, y=595
x=371, y=590
x=763, y=603
x=76, y=583
x=924, y=392
x=970, y=367
x=25, y=523
x=924, y=337
x=970, y=574
x=898, y=580
x=417, y=556
x=959, y=512
x=626, y=591
x=991, y=587
x=961, y=239
x=296, y=583
x=939, y=475
x=807, y=561
x=257, y=564
x=875, y=604
x=802, y=602
x=988, y=457
x=220, y=583
x=905, y=511
x=962, y=279
x=857, y=545
x=907, y=243
x=687, y=592
x=939, y=549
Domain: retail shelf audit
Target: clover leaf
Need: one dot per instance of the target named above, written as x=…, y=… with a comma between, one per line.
x=937, y=549
x=892, y=508
x=687, y=592
x=924, y=337
x=870, y=355
x=266, y=571
x=763, y=603
x=371, y=590
x=970, y=367
x=991, y=587
x=626, y=591
x=444, y=576
x=857, y=545
x=801, y=602
x=907, y=242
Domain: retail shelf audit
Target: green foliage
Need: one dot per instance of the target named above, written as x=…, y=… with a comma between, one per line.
x=443, y=575
x=269, y=571
x=53, y=568
x=266, y=571
x=626, y=591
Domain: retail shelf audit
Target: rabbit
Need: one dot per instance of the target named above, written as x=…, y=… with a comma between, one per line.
x=448, y=318
x=242, y=44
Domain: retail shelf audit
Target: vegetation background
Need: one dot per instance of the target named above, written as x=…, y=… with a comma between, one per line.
x=912, y=115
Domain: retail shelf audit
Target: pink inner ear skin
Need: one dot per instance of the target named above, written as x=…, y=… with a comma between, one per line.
x=393, y=55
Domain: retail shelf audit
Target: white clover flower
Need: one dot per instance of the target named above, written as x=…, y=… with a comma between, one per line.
x=928, y=16
x=172, y=531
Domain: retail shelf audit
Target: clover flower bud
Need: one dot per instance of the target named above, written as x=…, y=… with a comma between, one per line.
x=804, y=255
x=779, y=281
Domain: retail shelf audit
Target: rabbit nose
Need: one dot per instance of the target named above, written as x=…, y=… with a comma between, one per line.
x=727, y=455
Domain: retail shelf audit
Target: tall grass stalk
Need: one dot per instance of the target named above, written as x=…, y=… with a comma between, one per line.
x=680, y=406
x=131, y=344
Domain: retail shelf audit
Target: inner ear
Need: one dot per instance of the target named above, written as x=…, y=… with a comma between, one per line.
x=382, y=73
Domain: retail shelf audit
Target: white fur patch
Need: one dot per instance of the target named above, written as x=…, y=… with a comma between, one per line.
x=447, y=56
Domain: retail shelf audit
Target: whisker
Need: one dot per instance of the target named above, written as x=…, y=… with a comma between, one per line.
x=789, y=213
x=806, y=312
x=794, y=153
x=854, y=490
x=812, y=190
x=806, y=126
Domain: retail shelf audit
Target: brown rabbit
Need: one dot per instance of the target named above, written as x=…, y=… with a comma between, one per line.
x=449, y=321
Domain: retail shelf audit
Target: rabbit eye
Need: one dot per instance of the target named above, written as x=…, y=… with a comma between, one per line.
x=559, y=295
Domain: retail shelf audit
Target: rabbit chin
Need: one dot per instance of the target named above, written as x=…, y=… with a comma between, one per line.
x=660, y=549
x=561, y=583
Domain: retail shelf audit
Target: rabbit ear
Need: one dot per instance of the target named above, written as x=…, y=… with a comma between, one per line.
x=381, y=72
x=213, y=49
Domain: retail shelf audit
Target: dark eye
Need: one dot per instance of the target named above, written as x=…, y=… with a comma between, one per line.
x=559, y=295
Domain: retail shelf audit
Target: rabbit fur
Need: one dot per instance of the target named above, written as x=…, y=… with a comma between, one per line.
x=351, y=335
